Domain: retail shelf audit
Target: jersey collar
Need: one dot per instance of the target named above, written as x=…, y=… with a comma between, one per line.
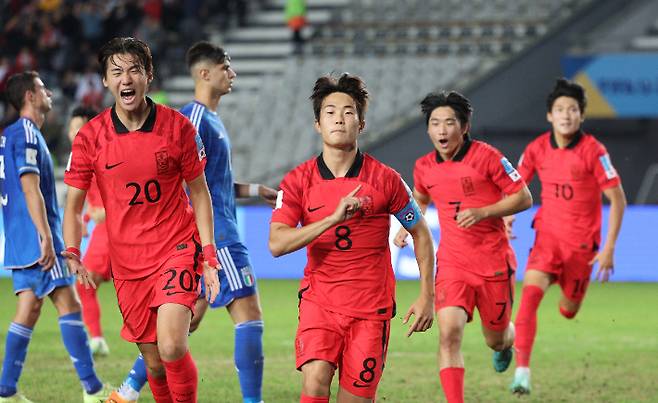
x=460, y=154
x=120, y=128
x=574, y=142
x=353, y=172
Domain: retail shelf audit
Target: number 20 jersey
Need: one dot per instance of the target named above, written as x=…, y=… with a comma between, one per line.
x=139, y=175
x=572, y=179
x=349, y=266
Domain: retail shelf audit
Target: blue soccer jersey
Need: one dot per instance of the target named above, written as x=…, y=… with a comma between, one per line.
x=23, y=150
x=219, y=174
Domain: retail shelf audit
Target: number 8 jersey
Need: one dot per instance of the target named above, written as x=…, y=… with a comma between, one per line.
x=139, y=175
x=349, y=266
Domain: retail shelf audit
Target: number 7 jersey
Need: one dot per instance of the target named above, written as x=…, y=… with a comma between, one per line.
x=139, y=175
x=349, y=266
x=477, y=176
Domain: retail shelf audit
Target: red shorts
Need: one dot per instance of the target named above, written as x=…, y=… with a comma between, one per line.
x=356, y=346
x=176, y=282
x=97, y=256
x=568, y=264
x=493, y=297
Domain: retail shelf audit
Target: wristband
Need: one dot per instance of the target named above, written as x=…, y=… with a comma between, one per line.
x=74, y=251
x=210, y=255
x=253, y=189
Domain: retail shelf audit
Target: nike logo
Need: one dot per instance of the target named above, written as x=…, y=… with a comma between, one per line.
x=431, y=186
x=108, y=166
x=359, y=385
x=310, y=210
x=4, y=200
x=170, y=293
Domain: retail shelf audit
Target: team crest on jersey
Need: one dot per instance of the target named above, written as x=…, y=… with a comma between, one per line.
x=247, y=276
x=509, y=170
x=367, y=206
x=577, y=173
x=610, y=171
x=162, y=161
x=467, y=186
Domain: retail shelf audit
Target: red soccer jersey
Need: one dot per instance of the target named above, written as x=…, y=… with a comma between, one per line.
x=94, y=195
x=572, y=179
x=349, y=266
x=139, y=175
x=477, y=176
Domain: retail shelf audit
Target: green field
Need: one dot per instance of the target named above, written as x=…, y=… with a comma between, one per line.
x=609, y=353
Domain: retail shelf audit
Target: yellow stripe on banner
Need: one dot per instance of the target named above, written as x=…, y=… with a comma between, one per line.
x=597, y=105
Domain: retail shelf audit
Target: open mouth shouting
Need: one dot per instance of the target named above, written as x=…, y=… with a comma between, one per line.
x=128, y=96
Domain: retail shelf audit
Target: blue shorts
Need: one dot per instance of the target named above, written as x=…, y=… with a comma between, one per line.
x=42, y=283
x=236, y=278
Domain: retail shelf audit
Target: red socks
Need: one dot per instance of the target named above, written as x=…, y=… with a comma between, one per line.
x=159, y=389
x=313, y=399
x=91, y=311
x=182, y=378
x=452, y=381
x=526, y=324
x=567, y=314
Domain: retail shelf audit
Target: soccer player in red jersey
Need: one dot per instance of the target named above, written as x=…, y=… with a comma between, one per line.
x=343, y=200
x=467, y=180
x=97, y=256
x=140, y=153
x=574, y=169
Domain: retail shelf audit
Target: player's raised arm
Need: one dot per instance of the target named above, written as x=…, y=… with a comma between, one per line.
x=72, y=228
x=423, y=201
x=285, y=239
x=606, y=256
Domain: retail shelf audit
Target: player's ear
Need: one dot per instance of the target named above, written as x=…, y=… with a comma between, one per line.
x=316, y=125
x=362, y=125
x=549, y=117
x=104, y=81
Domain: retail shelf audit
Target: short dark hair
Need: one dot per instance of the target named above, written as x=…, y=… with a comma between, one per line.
x=347, y=83
x=84, y=112
x=17, y=85
x=453, y=99
x=132, y=46
x=566, y=88
x=204, y=50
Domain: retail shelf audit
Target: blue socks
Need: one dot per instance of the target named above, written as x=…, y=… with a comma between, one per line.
x=77, y=344
x=18, y=338
x=137, y=376
x=248, y=358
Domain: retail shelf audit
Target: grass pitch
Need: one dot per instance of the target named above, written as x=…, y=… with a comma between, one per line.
x=608, y=353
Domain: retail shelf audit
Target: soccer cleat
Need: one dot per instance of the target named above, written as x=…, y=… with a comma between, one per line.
x=502, y=359
x=17, y=398
x=98, y=346
x=521, y=383
x=115, y=397
x=99, y=397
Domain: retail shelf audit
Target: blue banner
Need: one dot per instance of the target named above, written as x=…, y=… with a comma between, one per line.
x=636, y=254
x=618, y=85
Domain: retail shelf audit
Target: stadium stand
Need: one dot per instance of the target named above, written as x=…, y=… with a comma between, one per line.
x=401, y=49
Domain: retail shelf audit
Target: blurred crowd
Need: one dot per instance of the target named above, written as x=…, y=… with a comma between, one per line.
x=59, y=39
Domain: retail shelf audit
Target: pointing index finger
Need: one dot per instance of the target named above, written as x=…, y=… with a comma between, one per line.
x=353, y=192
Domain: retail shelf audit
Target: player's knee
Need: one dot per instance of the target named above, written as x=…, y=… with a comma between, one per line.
x=171, y=350
x=450, y=339
x=156, y=369
x=317, y=381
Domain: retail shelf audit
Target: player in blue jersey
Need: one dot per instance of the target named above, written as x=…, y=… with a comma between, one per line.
x=33, y=241
x=213, y=76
